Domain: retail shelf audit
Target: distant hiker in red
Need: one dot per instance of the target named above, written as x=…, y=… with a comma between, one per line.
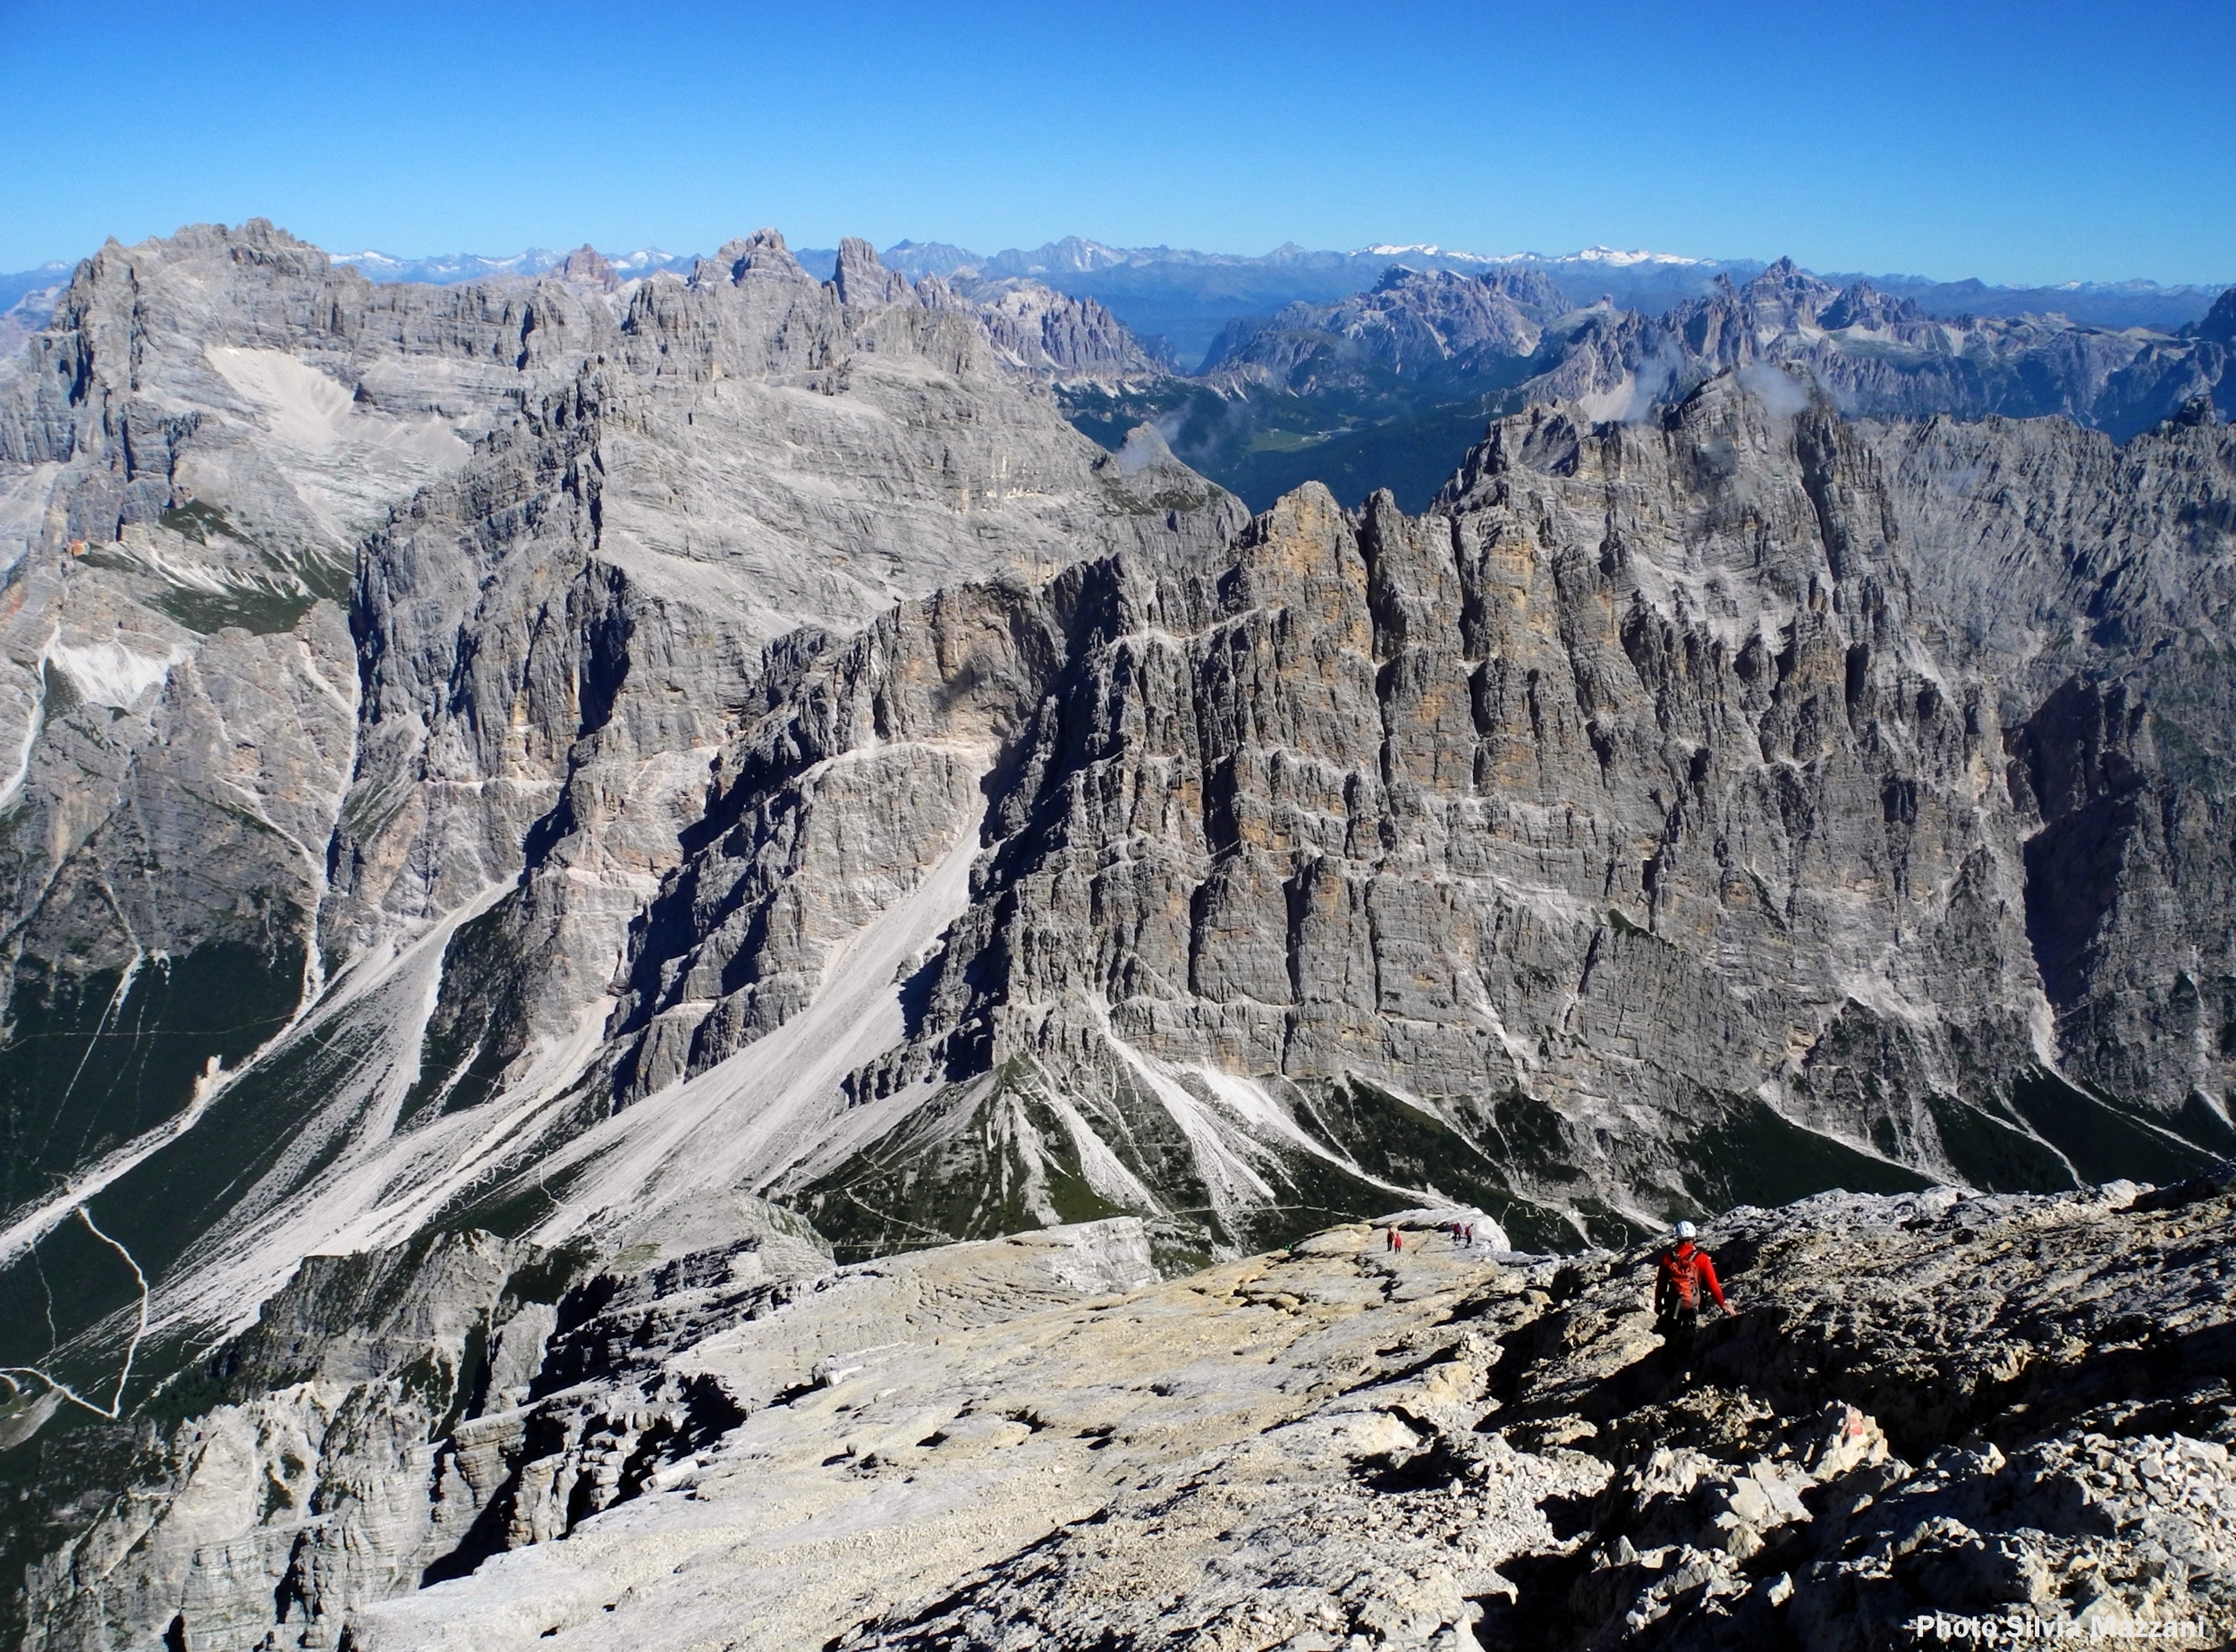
x=1685, y=1269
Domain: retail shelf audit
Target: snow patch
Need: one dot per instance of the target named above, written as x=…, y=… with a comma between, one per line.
x=1429, y=250
x=1616, y=257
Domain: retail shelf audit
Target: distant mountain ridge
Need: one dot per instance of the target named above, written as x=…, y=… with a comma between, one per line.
x=443, y=269
x=1380, y=388
x=1187, y=296
x=1371, y=368
x=1173, y=291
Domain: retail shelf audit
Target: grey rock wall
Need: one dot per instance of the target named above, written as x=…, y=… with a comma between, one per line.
x=345, y=616
x=1655, y=821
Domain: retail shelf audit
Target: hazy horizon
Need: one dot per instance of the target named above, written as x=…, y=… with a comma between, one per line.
x=2020, y=145
x=558, y=246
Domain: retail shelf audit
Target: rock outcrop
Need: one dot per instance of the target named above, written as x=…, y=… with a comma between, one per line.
x=398, y=1417
x=324, y=1481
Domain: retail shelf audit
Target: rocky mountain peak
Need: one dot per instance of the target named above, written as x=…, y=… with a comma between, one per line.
x=1413, y=323
x=920, y=259
x=1862, y=305
x=760, y=257
x=1786, y=292
x=1528, y=287
x=1040, y=330
x=1404, y=275
x=588, y=268
x=2220, y=322
x=862, y=281
x=254, y=234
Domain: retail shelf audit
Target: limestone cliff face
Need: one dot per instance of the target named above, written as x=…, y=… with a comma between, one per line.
x=1660, y=817
x=365, y=650
x=2103, y=624
x=188, y=455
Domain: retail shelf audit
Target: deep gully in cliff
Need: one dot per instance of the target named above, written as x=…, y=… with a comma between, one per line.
x=773, y=1104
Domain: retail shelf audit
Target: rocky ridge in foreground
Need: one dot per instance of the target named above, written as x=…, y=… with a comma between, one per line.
x=1942, y=1402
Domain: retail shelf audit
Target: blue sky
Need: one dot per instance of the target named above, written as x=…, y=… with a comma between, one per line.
x=2018, y=143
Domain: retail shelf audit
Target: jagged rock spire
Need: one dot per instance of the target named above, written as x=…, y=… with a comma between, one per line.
x=761, y=254
x=861, y=279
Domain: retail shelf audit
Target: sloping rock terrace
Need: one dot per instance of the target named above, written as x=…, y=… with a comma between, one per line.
x=1934, y=1403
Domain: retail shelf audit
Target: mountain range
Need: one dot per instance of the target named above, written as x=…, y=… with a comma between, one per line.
x=529, y=782
x=1189, y=296
x=1186, y=297
x=1382, y=387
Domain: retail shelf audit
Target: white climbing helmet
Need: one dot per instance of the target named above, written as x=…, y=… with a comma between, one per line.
x=1685, y=1229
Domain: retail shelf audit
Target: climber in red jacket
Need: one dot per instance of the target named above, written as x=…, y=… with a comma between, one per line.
x=1684, y=1269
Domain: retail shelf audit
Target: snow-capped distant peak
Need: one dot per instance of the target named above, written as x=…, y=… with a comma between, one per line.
x=1616, y=255
x=1613, y=257
x=1427, y=250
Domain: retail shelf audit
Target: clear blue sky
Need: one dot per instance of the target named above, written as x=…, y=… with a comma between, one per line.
x=2020, y=143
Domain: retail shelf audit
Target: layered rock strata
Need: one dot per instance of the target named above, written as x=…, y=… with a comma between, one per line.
x=1749, y=802
x=368, y=646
